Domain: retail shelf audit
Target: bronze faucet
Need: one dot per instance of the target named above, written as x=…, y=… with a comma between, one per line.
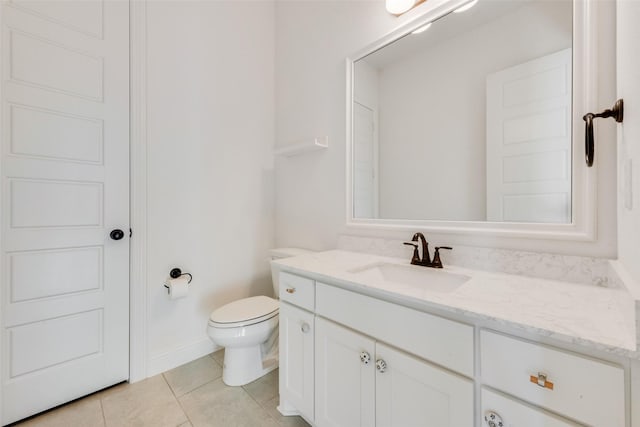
x=416, y=260
x=425, y=261
x=437, y=263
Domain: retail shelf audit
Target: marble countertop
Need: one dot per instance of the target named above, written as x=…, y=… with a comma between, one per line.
x=597, y=317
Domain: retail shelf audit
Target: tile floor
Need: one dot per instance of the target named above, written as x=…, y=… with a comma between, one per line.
x=190, y=395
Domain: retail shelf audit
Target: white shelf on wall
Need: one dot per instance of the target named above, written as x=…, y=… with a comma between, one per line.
x=315, y=144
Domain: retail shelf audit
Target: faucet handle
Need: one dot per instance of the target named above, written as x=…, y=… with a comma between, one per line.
x=437, y=263
x=415, y=259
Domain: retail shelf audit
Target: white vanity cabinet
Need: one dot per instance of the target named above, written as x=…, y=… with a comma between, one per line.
x=365, y=375
x=412, y=392
x=353, y=360
x=297, y=358
x=345, y=377
x=512, y=413
x=363, y=383
x=296, y=361
x=587, y=390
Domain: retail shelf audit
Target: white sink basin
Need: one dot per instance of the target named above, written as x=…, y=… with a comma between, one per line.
x=411, y=275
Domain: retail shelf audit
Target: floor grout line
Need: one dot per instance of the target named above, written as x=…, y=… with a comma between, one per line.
x=261, y=405
x=104, y=417
x=184, y=411
x=173, y=393
x=198, y=387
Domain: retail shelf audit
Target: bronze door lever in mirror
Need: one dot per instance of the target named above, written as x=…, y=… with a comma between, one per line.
x=617, y=112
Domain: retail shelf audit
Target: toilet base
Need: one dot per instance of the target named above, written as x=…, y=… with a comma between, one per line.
x=243, y=365
x=250, y=351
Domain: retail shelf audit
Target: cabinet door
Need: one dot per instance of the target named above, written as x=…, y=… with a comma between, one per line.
x=345, y=385
x=412, y=392
x=515, y=414
x=296, y=360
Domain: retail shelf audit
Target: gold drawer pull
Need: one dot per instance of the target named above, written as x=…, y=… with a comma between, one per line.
x=291, y=290
x=541, y=380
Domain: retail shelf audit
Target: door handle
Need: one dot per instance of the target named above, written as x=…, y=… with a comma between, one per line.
x=617, y=112
x=116, y=234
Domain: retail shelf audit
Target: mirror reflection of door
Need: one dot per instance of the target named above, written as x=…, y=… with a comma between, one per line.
x=365, y=174
x=529, y=141
x=428, y=92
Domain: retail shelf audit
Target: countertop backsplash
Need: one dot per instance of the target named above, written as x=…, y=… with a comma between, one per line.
x=567, y=268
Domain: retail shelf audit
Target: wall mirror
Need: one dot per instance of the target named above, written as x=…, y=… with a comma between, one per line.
x=471, y=121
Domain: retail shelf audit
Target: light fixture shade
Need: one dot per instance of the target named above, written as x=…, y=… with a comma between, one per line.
x=398, y=7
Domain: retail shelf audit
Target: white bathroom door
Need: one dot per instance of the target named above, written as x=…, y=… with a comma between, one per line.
x=529, y=141
x=65, y=186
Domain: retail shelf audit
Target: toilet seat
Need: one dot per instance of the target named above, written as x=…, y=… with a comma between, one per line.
x=244, y=312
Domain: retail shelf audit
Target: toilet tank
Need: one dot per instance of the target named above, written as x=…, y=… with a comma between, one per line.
x=282, y=253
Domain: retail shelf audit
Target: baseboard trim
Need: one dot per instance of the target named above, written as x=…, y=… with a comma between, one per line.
x=286, y=413
x=180, y=355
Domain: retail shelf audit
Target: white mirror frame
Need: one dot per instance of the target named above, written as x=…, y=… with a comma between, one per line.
x=584, y=179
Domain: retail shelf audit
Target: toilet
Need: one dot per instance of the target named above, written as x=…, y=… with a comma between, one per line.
x=248, y=330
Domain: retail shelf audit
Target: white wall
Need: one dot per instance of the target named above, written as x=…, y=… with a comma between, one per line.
x=313, y=38
x=210, y=181
x=433, y=111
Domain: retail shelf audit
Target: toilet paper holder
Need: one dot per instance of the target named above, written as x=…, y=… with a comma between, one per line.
x=175, y=273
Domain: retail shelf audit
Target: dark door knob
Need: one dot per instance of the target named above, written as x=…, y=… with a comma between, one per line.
x=116, y=234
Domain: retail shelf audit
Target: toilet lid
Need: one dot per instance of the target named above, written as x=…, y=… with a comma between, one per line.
x=243, y=310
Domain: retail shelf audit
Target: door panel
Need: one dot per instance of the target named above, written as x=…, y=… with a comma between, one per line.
x=65, y=185
x=54, y=203
x=53, y=66
x=529, y=141
x=42, y=274
x=79, y=138
x=34, y=346
x=83, y=16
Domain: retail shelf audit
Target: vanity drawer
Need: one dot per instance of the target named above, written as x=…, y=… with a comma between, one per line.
x=444, y=342
x=516, y=414
x=584, y=389
x=297, y=290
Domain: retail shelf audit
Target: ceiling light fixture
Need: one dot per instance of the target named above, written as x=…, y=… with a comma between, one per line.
x=422, y=29
x=466, y=7
x=398, y=7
